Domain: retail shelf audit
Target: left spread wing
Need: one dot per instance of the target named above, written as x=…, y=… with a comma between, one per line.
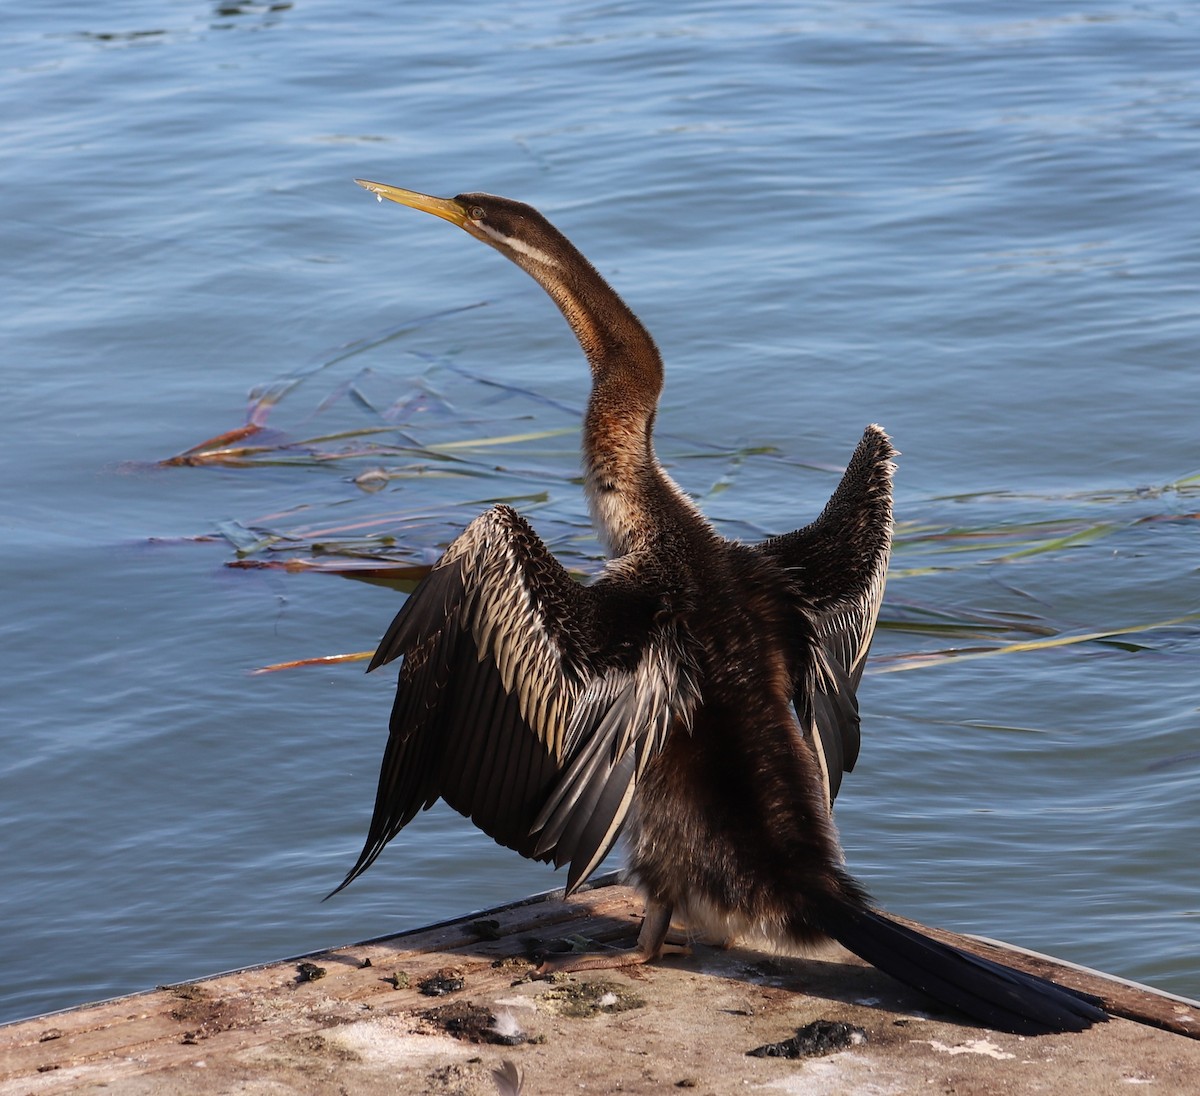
x=515, y=705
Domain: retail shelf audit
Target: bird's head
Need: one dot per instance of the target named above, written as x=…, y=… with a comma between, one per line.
x=512, y=228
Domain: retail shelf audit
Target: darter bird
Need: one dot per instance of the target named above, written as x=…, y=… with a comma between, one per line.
x=699, y=695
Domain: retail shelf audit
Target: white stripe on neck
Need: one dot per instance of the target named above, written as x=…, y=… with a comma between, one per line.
x=517, y=245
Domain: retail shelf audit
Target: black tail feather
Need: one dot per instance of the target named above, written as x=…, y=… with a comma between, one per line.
x=995, y=995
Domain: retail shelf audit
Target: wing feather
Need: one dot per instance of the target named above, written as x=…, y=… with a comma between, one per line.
x=602, y=822
x=517, y=705
x=838, y=567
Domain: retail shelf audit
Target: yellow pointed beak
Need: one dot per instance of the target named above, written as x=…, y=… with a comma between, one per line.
x=446, y=208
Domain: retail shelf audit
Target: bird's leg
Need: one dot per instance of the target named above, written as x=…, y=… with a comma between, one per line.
x=652, y=943
x=656, y=934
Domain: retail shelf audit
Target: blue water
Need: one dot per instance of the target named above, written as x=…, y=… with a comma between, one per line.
x=975, y=228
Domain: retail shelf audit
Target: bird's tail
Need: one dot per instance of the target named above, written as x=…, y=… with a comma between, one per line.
x=993, y=994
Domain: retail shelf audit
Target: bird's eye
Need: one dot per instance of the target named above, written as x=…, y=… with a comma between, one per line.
x=476, y=213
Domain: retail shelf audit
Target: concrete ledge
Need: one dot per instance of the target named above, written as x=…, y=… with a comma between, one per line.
x=358, y=1020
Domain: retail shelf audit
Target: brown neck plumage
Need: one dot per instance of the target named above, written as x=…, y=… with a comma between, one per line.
x=628, y=492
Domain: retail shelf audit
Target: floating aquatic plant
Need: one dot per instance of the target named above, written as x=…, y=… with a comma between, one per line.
x=372, y=434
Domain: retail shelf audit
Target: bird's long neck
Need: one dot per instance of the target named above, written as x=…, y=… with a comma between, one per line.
x=630, y=496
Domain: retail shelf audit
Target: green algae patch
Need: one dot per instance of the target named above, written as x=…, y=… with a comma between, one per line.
x=578, y=1000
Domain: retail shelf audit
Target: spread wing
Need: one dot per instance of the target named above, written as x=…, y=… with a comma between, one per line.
x=838, y=565
x=515, y=705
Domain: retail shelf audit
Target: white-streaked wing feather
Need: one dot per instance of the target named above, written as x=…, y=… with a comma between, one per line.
x=838, y=567
x=507, y=699
x=618, y=724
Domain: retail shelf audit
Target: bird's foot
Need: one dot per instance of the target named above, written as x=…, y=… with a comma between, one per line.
x=654, y=940
x=614, y=959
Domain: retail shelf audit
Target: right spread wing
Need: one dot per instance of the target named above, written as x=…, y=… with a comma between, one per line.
x=514, y=704
x=838, y=565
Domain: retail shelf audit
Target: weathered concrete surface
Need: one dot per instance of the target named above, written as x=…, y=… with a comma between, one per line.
x=683, y=1025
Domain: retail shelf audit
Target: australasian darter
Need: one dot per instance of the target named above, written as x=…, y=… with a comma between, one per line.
x=699, y=694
